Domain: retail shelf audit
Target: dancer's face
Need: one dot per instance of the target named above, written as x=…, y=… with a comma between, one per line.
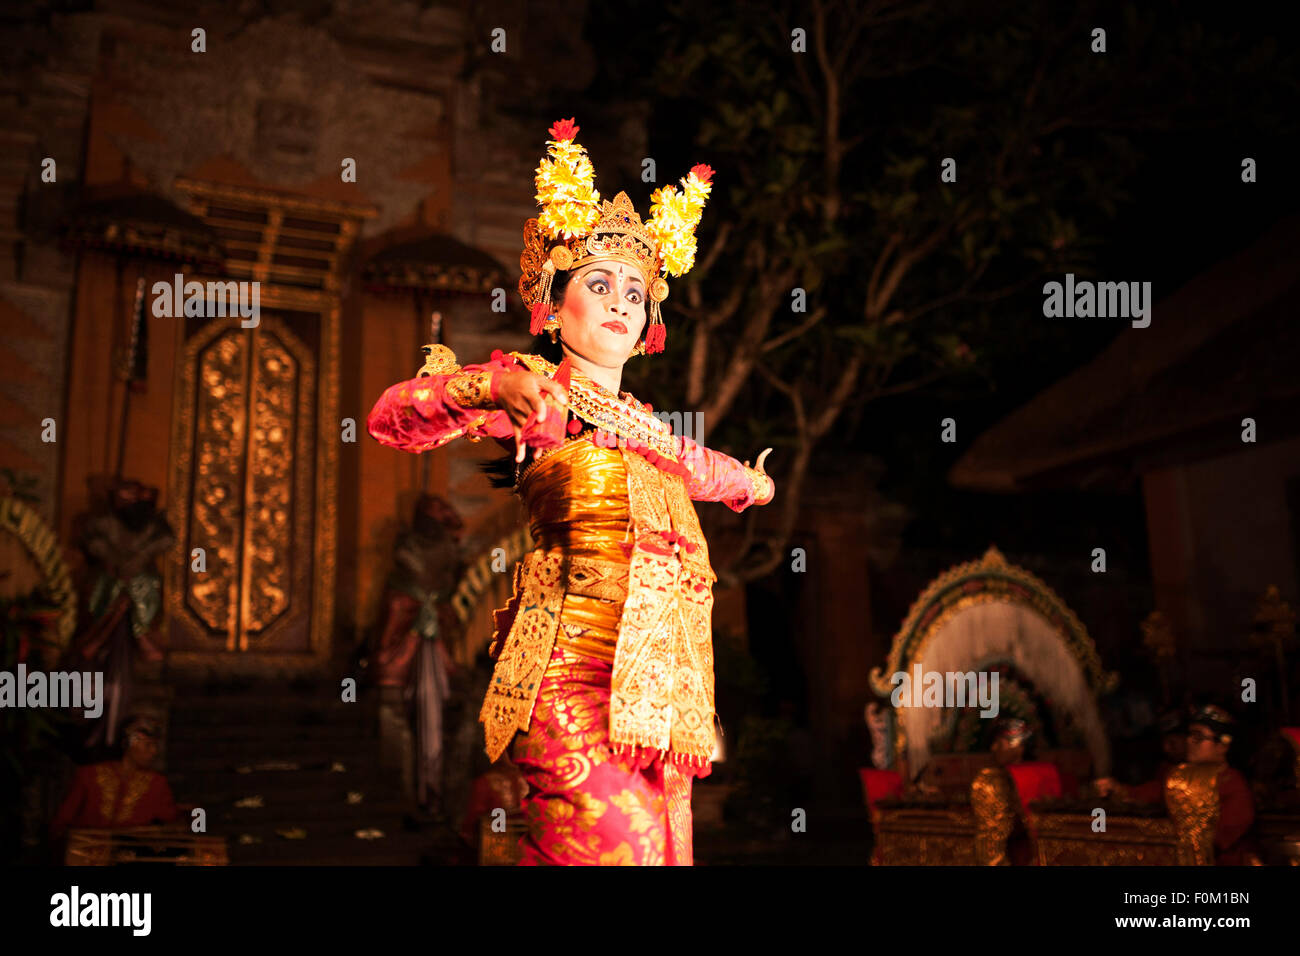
x=1203, y=746
x=604, y=312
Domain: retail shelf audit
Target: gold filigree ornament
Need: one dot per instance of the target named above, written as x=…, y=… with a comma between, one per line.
x=1192, y=796
x=602, y=409
x=438, y=360
x=993, y=802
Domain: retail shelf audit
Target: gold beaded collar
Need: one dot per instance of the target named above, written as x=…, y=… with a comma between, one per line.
x=595, y=404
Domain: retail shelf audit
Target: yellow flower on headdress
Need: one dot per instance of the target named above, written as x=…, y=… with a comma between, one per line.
x=669, y=210
x=566, y=186
x=674, y=217
x=680, y=257
x=569, y=219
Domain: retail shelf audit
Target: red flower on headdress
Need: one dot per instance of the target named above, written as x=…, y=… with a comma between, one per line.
x=702, y=172
x=564, y=129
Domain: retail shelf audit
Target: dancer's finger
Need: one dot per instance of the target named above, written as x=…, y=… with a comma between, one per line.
x=556, y=391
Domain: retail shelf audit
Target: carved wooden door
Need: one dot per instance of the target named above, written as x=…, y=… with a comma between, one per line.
x=250, y=580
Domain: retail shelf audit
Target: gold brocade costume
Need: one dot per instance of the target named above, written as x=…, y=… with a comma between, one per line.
x=577, y=500
x=605, y=649
x=648, y=611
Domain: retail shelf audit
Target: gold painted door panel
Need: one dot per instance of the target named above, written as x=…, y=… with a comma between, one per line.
x=252, y=489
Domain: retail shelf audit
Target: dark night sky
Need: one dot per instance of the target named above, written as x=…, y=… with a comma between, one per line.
x=1186, y=209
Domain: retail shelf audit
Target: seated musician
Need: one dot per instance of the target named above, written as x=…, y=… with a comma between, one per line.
x=120, y=793
x=1032, y=780
x=1013, y=742
x=1173, y=743
x=1209, y=735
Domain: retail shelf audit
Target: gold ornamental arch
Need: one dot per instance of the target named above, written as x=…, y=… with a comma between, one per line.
x=985, y=610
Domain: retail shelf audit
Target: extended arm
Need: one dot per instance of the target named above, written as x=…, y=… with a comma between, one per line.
x=713, y=476
x=425, y=413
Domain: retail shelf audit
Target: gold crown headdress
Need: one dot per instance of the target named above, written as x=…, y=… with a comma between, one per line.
x=576, y=227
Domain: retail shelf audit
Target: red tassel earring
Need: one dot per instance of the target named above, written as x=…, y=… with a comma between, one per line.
x=538, y=318
x=656, y=331
x=654, y=338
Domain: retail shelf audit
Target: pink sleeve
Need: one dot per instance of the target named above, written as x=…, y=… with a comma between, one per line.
x=421, y=414
x=713, y=476
x=418, y=414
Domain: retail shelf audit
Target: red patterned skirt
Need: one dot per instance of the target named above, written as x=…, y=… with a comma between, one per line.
x=586, y=805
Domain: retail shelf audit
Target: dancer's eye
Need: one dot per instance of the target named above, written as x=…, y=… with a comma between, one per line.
x=601, y=287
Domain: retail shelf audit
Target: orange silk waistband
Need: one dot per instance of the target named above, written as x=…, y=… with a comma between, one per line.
x=577, y=500
x=589, y=626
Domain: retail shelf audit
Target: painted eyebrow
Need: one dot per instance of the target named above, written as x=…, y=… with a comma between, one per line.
x=606, y=272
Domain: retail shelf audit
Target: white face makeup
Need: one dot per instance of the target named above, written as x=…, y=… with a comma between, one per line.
x=604, y=312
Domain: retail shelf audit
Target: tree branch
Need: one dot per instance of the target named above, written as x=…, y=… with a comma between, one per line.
x=702, y=267
x=817, y=315
x=738, y=369
x=831, y=122
x=874, y=282
x=915, y=255
x=961, y=293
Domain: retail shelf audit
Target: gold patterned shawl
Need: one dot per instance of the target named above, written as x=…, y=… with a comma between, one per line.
x=661, y=688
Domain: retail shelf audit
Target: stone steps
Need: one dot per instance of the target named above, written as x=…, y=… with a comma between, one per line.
x=222, y=785
x=303, y=750
x=256, y=756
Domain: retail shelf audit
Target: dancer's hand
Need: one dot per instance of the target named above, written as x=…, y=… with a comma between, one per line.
x=1109, y=787
x=520, y=394
x=758, y=467
x=762, y=457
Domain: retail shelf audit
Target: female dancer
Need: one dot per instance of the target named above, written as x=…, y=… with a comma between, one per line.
x=603, y=683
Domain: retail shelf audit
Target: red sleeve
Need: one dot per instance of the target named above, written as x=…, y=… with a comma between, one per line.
x=1153, y=791
x=163, y=808
x=1236, y=809
x=713, y=476
x=72, y=804
x=419, y=414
